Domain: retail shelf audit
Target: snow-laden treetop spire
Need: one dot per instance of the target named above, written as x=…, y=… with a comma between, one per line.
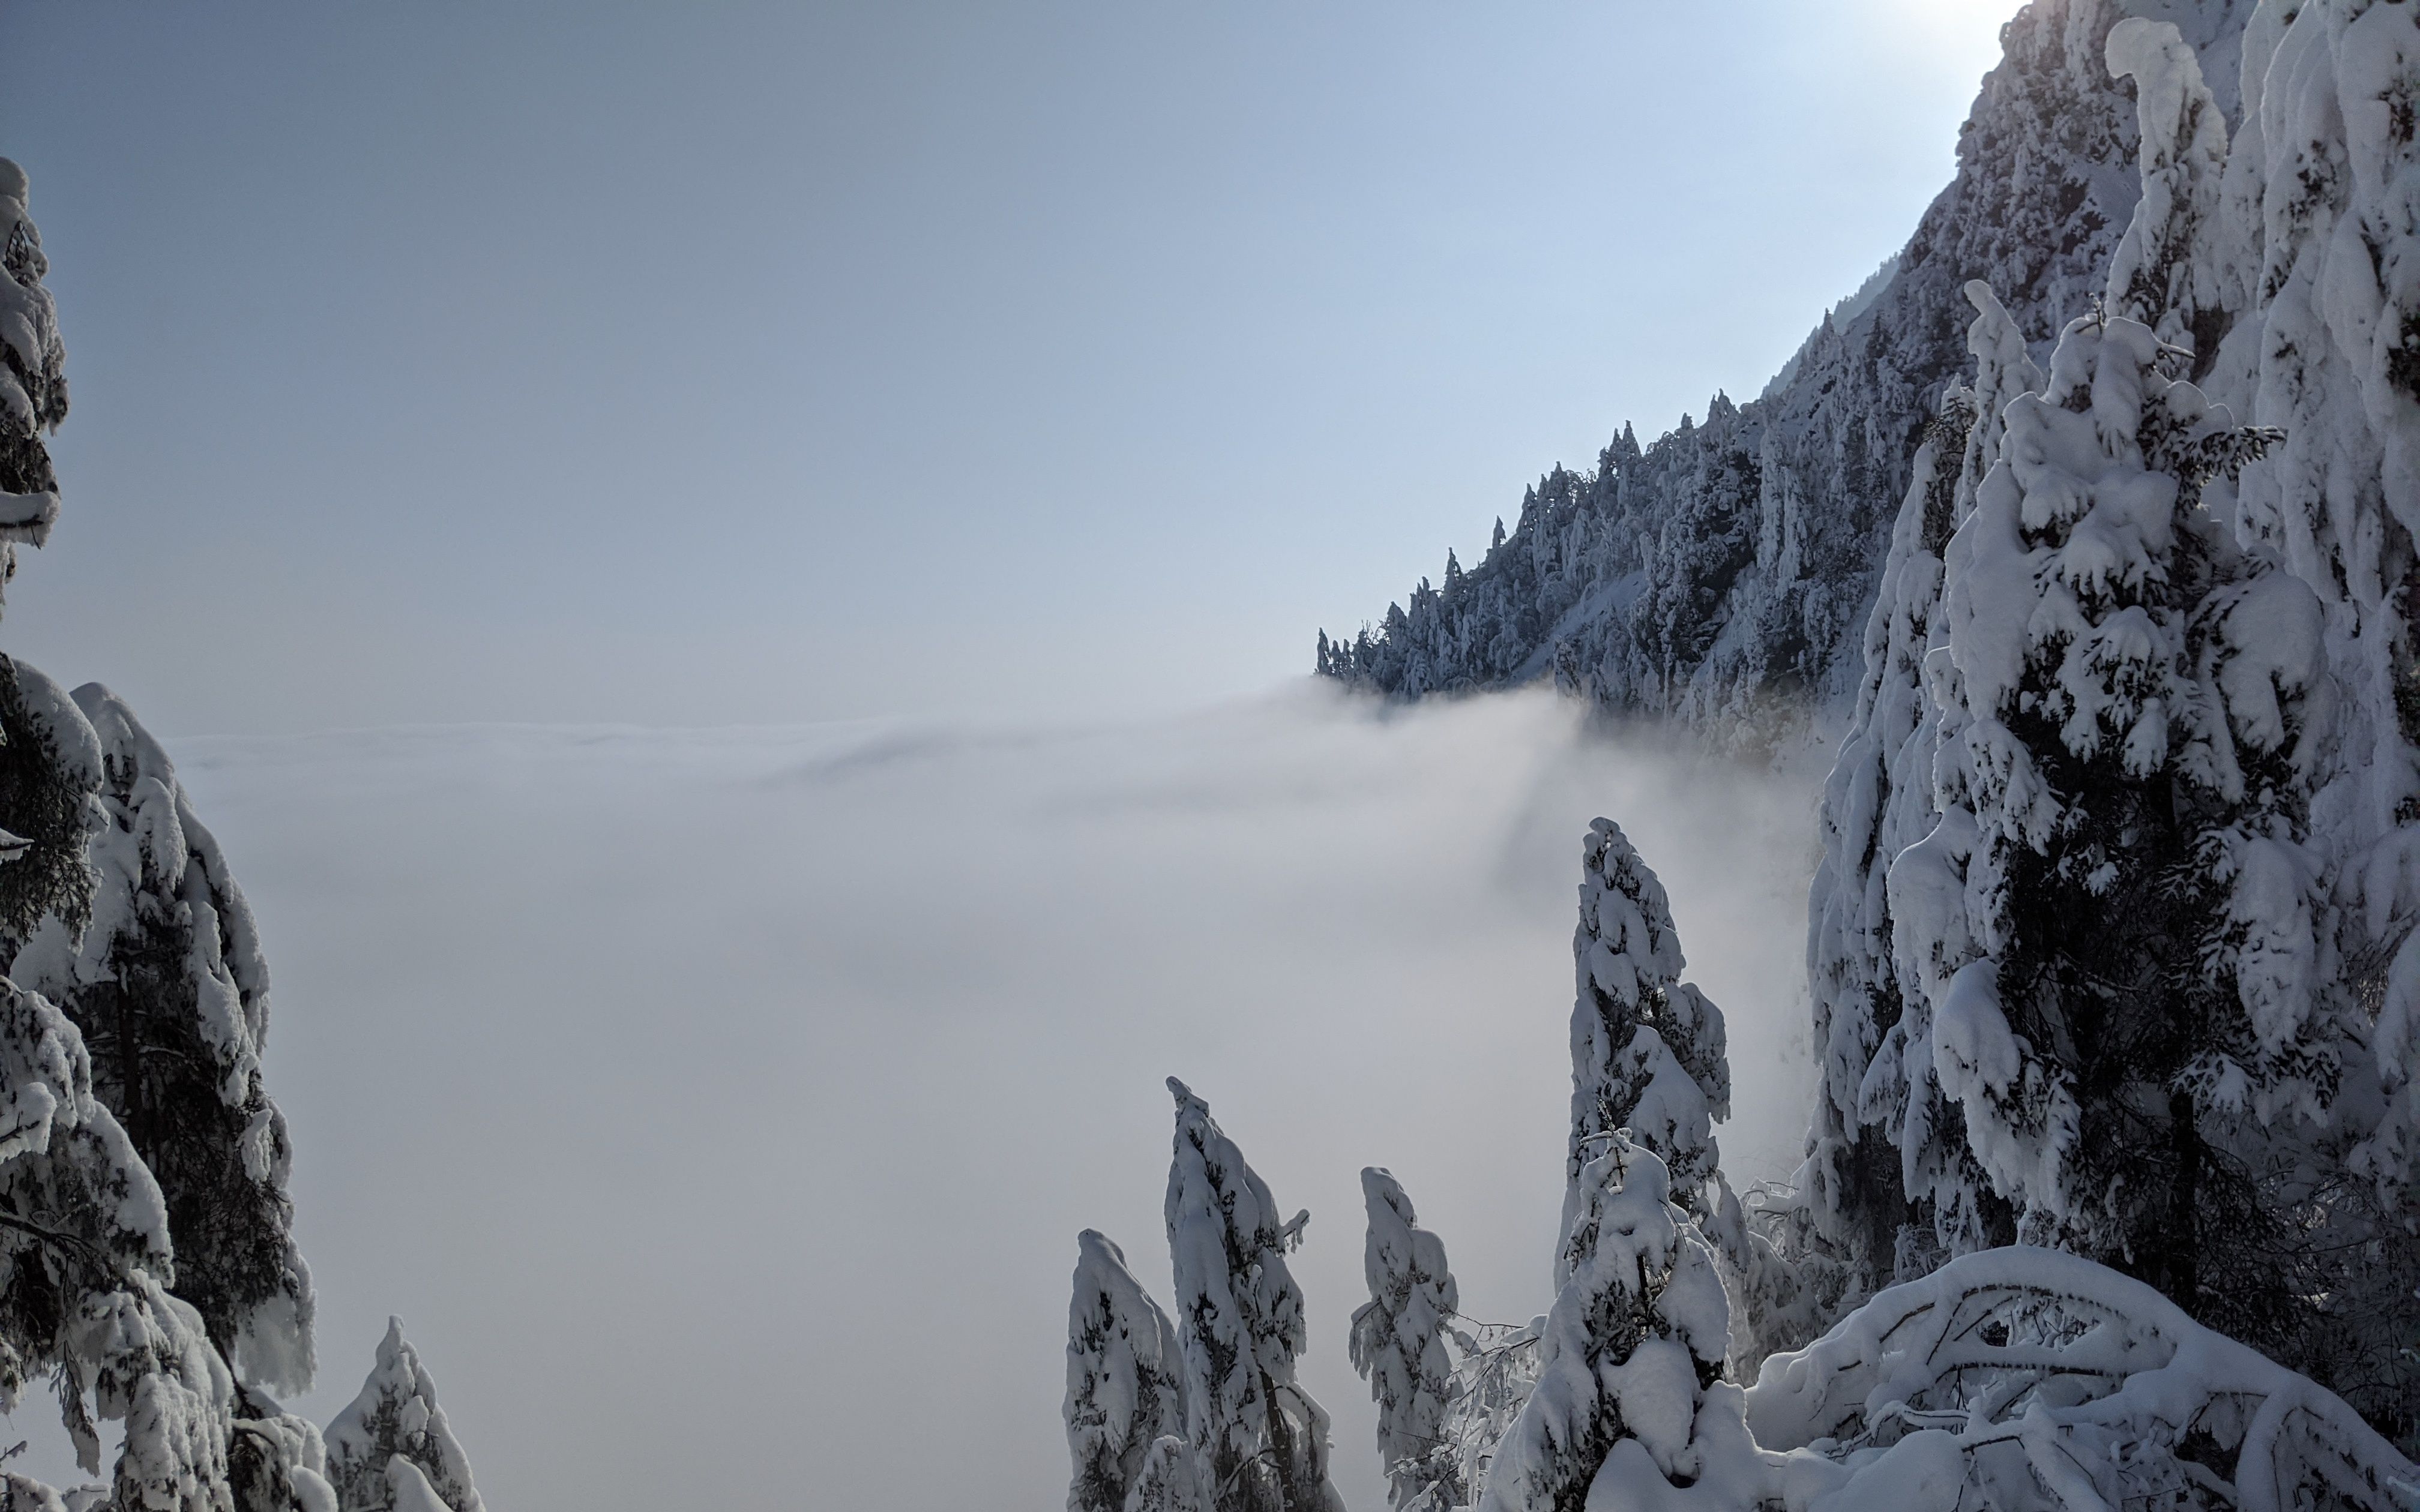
x=392, y=1448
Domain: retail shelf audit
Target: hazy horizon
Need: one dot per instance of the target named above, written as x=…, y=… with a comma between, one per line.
x=756, y=364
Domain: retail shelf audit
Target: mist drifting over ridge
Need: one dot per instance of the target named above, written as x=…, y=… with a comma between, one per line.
x=869, y=1019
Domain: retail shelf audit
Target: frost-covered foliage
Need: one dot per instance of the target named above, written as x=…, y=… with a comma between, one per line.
x=1125, y=1382
x=1490, y=1385
x=1722, y=574
x=1399, y=1344
x=170, y=991
x=392, y=1450
x=1630, y=1361
x=1260, y=1441
x=2112, y=948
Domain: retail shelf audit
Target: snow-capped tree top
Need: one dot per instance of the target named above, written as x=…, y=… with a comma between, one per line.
x=1626, y=914
x=1647, y=1050
x=1219, y=1210
x=1125, y=1378
x=396, y=1415
x=1258, y=1440
x=1398, y=1249
x=169, y=842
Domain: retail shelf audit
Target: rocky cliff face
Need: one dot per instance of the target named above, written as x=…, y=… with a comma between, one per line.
x=1722, y=574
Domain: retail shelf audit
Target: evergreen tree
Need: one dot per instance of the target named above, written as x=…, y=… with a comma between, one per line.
x=2132, y=954
x=1647, y=1048
x=1258, y=1440
x=392, y=1450
x=168, y=986
x=1398, y=1343
x=1125, y=1382
x=1889, y=1182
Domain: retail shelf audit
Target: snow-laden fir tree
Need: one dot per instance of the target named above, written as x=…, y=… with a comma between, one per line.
x=1647, y=1048
x=1889, y=1182
x=1125, y=1381
x=2319, y=238
x=392, y=1449
x=1648, y=1056
x=1399, y=1344
x=1630, y=1386
x=168, y=986
x=1258, y=1440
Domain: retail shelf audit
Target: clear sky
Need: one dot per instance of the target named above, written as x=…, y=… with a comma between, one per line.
x=731, y=363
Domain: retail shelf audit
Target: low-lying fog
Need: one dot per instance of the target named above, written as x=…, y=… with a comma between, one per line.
x=719, y=1108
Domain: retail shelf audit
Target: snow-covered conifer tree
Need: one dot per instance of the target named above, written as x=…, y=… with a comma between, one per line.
x=168, y=986
x=1630, y=1384
x=1647, y=1048
x=392, y=1450
x=1890, y=1182
x=1399, y=1344
x=1258, y=1440
x=1125, y=1382
x=2128, y=952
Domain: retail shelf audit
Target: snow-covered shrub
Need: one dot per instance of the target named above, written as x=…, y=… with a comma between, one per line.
x=2021, y=1377
x=1260, y=1441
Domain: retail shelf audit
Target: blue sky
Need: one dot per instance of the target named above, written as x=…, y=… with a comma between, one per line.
x=754, y=363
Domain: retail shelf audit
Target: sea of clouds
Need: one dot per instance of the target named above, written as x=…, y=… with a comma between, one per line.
x=719, y=1108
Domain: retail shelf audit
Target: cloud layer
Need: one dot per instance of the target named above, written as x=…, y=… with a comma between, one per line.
x=719, y=1108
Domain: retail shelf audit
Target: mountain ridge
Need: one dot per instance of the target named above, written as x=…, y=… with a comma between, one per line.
x=1721, y=575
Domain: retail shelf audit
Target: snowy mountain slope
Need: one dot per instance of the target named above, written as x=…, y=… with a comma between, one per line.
x=1722, y=574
